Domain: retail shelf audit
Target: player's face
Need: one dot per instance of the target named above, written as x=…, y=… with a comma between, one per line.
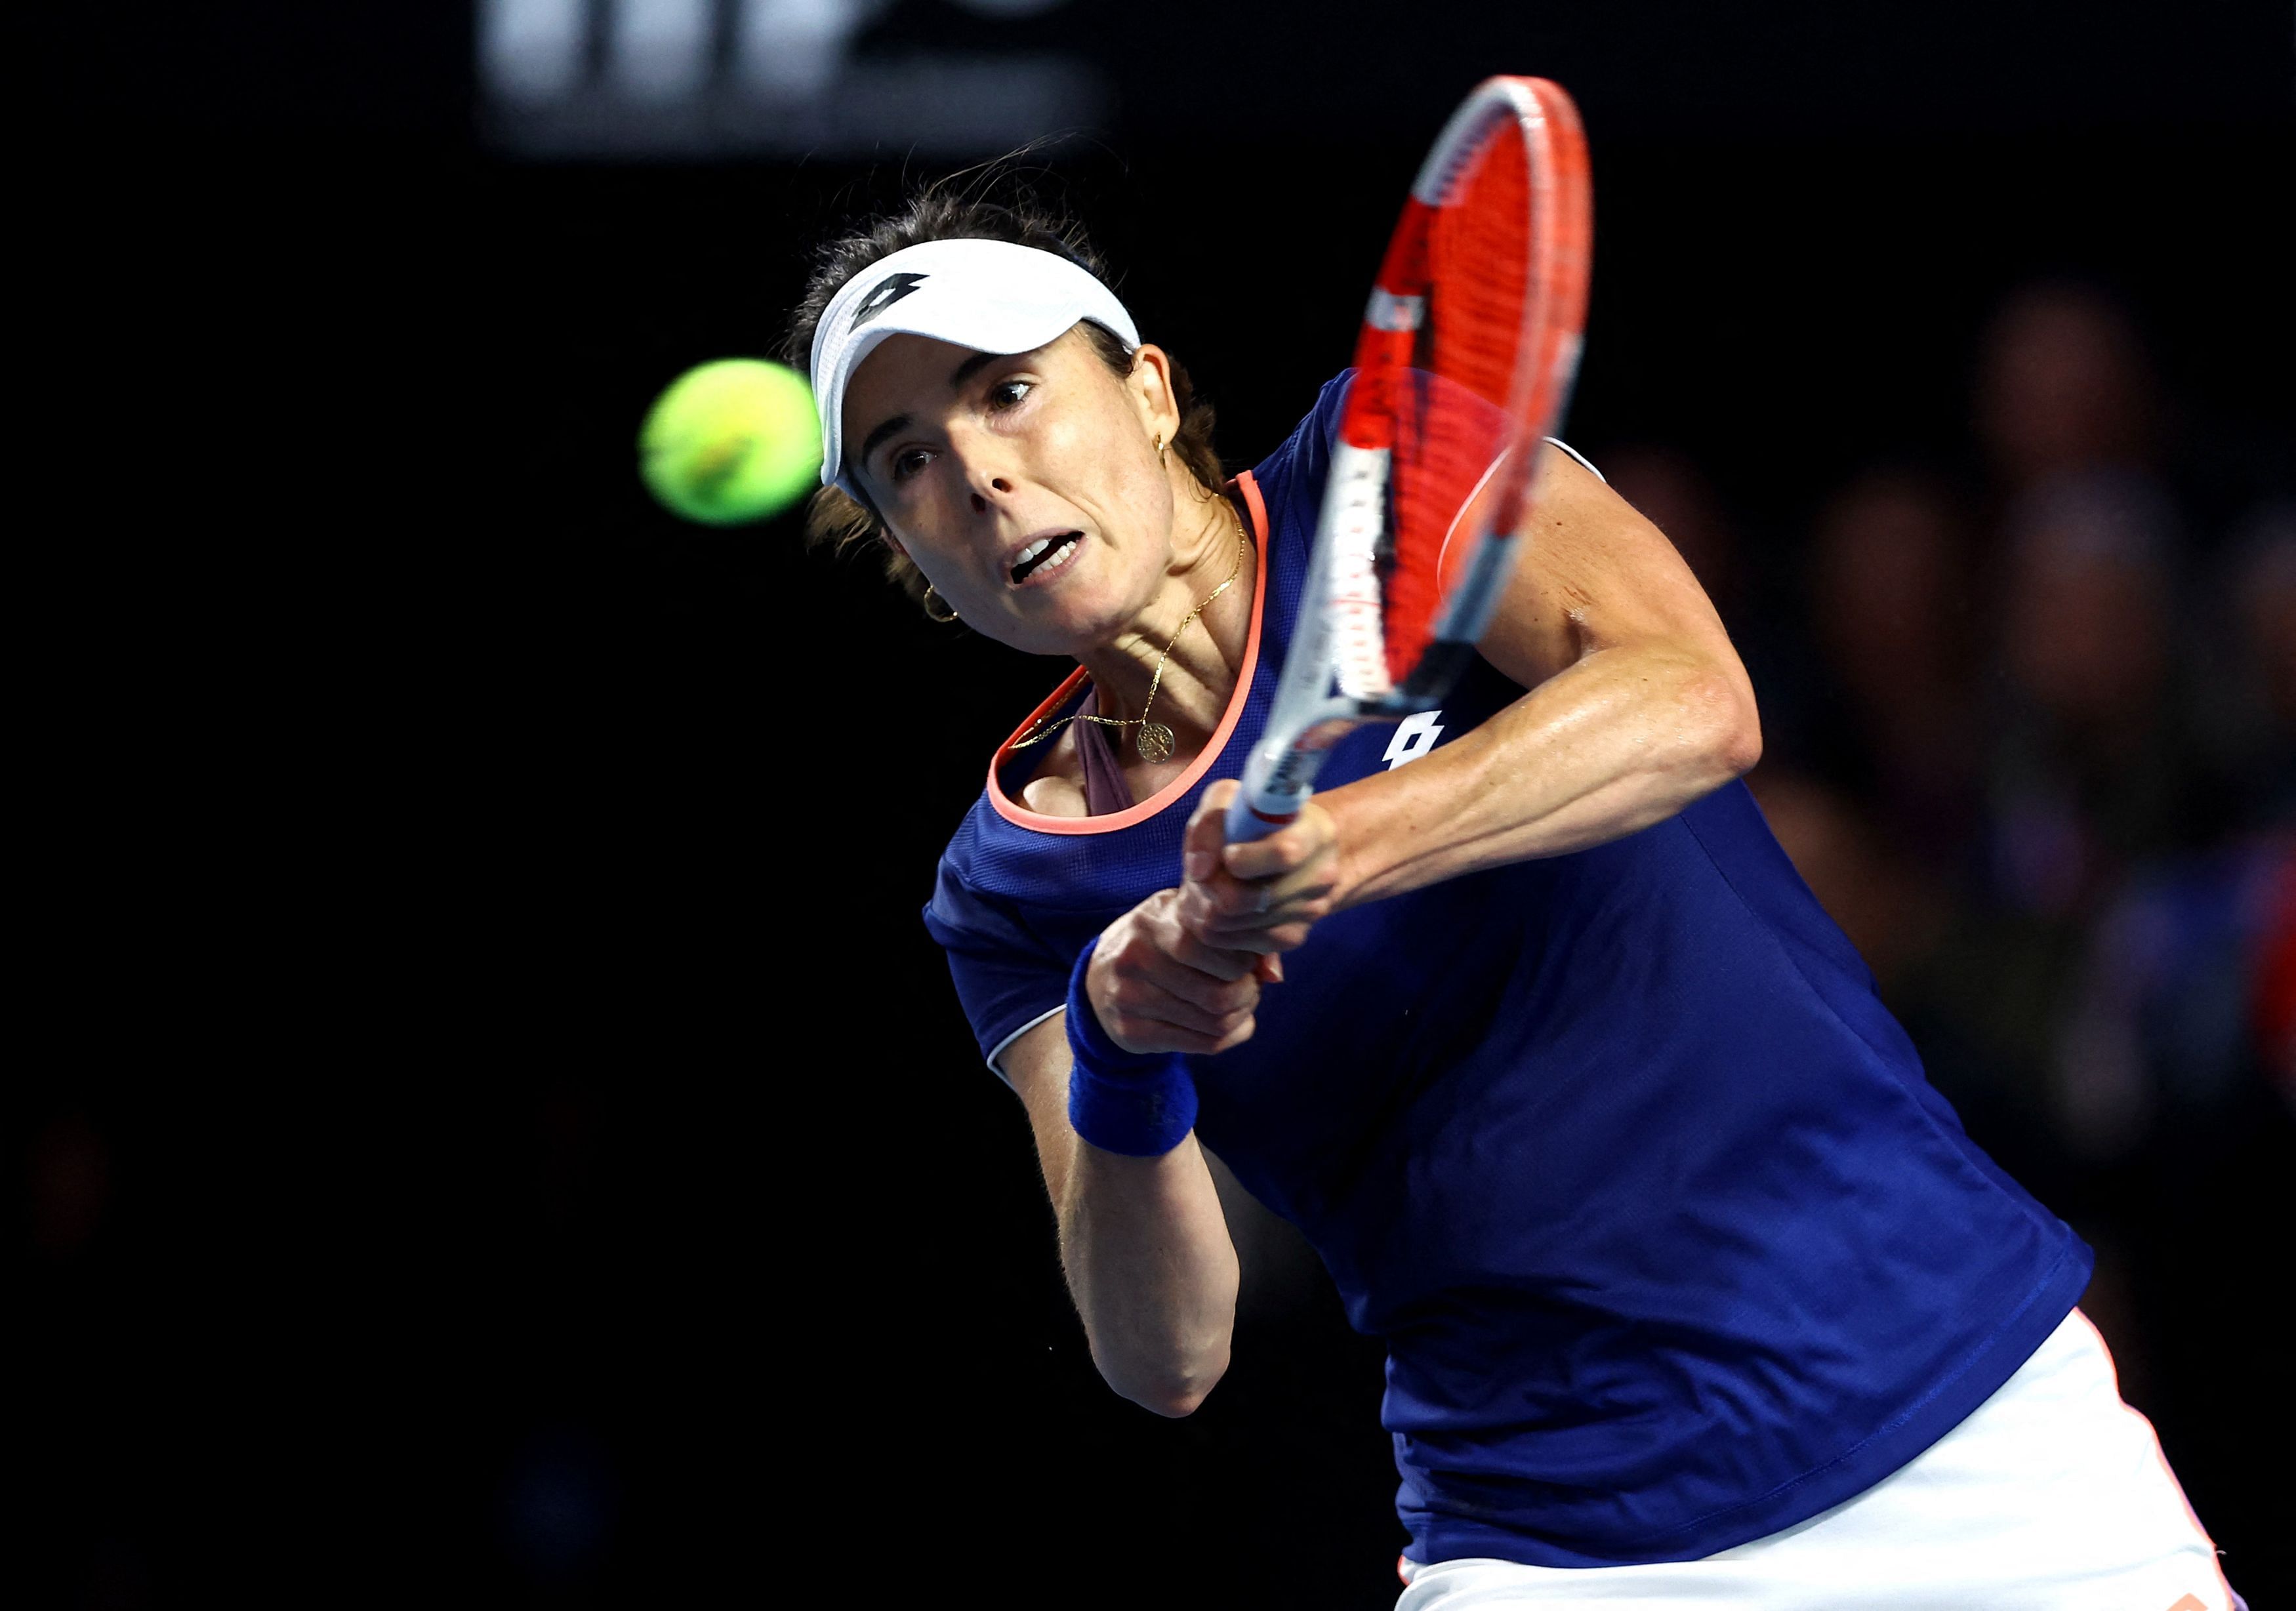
x=1026, y=486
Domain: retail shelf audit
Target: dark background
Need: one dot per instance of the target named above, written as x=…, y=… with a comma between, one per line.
x=492, y=1125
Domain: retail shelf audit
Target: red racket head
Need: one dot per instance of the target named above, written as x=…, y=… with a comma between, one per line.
x=1469, y=346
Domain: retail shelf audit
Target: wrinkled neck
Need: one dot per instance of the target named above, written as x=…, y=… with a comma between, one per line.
x=1200, y=664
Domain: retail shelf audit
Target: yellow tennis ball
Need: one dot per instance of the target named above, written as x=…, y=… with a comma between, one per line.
x=731, y=441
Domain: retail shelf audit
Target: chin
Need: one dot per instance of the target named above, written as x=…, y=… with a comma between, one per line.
x=1065, y=634
x=1069, y=620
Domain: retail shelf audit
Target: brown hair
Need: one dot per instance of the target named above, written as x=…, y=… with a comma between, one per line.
x=834, y=521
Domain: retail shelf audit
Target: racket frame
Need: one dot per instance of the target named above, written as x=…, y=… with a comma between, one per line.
x=1339, y=631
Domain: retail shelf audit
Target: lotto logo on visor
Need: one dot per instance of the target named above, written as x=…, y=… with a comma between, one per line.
x=991, y=295
x=889, y=290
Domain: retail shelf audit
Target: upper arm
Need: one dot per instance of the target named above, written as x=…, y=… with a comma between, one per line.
x=1036, y=1063
x=1594, y=574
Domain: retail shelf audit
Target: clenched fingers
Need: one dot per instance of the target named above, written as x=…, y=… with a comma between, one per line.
x=1226, y=912
x=1140, y=1018
x=1155, y=986
x=1263, y=896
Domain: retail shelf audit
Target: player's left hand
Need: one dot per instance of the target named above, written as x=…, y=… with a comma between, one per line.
x=1261, y=895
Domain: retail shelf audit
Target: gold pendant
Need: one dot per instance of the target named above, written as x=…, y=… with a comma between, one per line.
x=1154, y=742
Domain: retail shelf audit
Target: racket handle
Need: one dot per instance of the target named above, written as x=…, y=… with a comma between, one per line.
x=1278, y=780
x=1246, y=823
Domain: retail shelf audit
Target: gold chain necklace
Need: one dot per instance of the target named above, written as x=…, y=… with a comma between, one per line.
x=1155, y=742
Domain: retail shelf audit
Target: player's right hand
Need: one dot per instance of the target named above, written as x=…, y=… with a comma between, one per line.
x=1156, y=987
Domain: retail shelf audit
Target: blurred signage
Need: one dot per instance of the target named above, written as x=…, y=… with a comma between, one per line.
x=777, y=78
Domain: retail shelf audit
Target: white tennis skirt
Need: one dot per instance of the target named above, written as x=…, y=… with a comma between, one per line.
x=2052, y=1496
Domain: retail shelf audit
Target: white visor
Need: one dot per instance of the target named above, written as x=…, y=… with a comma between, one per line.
x=991, y=296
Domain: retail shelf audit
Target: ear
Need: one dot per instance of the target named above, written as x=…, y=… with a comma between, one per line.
x=1150, y=385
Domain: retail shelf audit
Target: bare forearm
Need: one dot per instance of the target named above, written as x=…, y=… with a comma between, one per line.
x=1146, y=1251
x=1144, y=1243
x=1623, y=739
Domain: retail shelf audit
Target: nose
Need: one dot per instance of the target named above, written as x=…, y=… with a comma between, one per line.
x=985, y=472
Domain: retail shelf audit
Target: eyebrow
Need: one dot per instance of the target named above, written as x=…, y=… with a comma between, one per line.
x=876, y=436
x=963, y=372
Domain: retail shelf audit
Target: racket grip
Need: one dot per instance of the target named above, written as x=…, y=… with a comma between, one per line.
x=1278, y=780
x=1246, y=823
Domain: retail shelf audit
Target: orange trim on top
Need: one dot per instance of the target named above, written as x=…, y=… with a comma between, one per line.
x=1133, y=815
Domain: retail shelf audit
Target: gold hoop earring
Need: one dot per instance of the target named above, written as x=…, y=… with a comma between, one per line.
x=1160, y=453
x=930, y=596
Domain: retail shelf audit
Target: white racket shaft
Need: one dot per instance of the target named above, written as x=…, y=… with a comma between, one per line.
x=1338, y=631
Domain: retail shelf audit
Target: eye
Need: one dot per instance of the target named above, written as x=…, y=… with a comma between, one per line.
x=909, y=462
x=1006, y=394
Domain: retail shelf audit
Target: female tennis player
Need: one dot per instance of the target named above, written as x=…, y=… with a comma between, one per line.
x=1694, y=1292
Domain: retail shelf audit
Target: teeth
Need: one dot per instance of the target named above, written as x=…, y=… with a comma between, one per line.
x=1033, y=560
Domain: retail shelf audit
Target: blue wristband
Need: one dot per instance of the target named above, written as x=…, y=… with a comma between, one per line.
x=1139, y=1104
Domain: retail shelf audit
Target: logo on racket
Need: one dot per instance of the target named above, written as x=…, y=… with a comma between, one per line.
x=888, y=290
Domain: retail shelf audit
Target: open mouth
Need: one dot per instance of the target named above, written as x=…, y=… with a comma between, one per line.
x=1046, y=554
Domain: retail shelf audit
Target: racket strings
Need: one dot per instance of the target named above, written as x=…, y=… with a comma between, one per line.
x=1452, y=408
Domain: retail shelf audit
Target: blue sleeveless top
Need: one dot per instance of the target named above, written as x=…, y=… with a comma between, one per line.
x=1671, y=1243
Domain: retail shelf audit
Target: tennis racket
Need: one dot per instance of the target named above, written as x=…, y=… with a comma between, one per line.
x=1462, y=367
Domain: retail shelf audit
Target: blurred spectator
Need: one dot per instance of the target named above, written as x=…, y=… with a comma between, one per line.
x=2091, y=770
x=2247, y=651
x=1890, y=912
x=1890, y=603
x=1937, y=961
x=2267, y=610
x=1678, y=498
x=2163, y=1028
x=1669, y=488
x=2063, y=385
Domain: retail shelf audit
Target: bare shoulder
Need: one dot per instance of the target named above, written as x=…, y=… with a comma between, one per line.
x=1594, y=574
